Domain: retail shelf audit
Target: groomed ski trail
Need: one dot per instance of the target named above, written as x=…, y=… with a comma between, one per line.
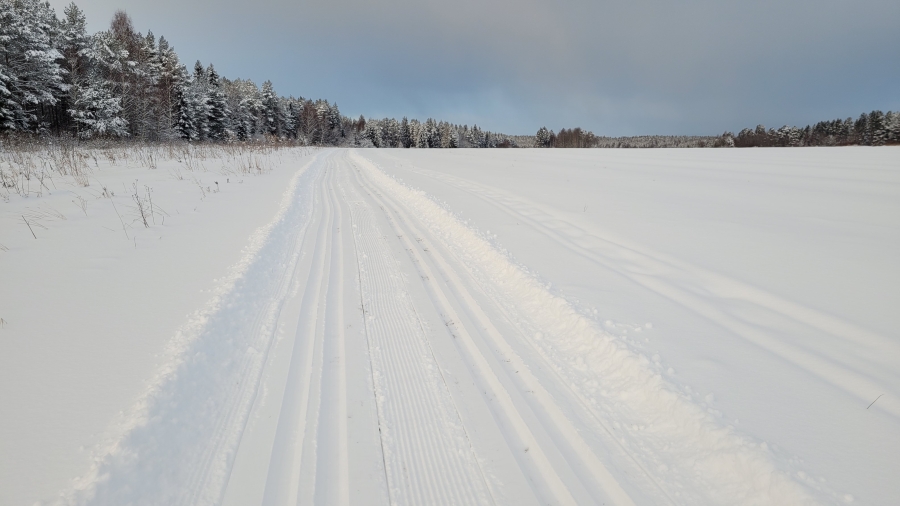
x=361, y=358
x=390, y=391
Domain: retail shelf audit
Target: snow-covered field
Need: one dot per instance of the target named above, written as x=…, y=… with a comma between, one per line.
x=453, y=326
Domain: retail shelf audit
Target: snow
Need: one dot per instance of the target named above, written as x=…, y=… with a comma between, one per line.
x=454, y=326
x=769, y=278
x=91, y=315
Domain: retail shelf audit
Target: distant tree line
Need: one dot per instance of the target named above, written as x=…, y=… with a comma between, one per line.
x=578, y=138
x=870, y=129
x=411, y=133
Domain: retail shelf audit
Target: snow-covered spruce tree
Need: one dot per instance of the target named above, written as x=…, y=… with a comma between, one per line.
x=149, y=106
x=184, y=122
x=171, y=74
x=390, y=132
x=195, y=105
x=476, y=137
x=271, y=111
x=299, y=105
x=30, y=74
x=192, y=106
x=444, y=133
x=290, y=106
x=243, y=101
x=421, y=135
x=405, y=137
x=432, y=133
x=877, y=132
x=217, y=112
x=306, y=121
x=335, y=123
x=861, y=132
x=372, y=132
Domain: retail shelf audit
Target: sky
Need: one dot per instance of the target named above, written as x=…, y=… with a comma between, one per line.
x=615, y=67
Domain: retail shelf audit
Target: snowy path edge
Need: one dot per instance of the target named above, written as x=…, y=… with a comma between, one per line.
x=117, y=473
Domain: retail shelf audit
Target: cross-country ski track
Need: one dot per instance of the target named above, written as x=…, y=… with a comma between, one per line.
x=372, y=348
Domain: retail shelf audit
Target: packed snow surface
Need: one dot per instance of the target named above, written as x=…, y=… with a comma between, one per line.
x=452, y=327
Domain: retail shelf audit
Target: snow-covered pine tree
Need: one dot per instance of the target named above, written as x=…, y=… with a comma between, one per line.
x=30, y=74
x=542, y=138
x=110, y=66
x=892, y=125
x=372, y=132
x=96, y=112
x=323, y=115
x=124, y=66
x=244, y=101
x=74, y=45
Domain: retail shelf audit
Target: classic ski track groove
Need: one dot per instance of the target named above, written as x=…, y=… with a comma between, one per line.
x=544, y=399
x=282, y=484
x=559, y=425
x=433, y=467
x=426, y=451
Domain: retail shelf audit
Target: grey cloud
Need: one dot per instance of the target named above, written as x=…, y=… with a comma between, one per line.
x=616, y=67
